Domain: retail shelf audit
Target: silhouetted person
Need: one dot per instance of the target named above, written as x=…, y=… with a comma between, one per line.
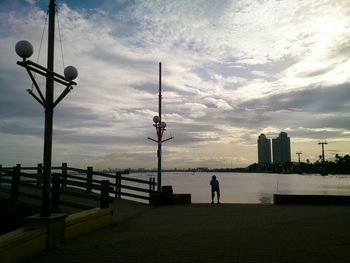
x=214, y=183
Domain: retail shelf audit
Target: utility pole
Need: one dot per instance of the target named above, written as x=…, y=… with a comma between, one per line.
x=299, y=153
x=323, y=172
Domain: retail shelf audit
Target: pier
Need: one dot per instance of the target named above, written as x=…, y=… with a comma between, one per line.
x=80, y=202
x=129, y=231
x=213, y=233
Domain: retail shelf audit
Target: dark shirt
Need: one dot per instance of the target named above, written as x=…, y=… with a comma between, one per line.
x=214, y=183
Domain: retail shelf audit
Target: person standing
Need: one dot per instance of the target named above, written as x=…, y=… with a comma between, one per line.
x=214, y=183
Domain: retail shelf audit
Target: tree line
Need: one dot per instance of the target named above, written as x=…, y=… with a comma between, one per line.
x=340, y=165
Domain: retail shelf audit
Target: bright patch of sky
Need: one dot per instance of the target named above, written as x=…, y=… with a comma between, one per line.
x=231, y=70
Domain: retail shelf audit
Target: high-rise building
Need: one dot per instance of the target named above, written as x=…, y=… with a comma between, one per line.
x=264, y=150
x=281, y=149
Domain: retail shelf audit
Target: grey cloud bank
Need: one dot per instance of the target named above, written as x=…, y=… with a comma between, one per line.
x=230, y=72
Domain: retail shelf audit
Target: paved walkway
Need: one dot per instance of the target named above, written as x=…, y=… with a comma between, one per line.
x=213, y=233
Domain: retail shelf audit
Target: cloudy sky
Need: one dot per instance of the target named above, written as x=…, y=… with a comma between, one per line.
x=231, y=70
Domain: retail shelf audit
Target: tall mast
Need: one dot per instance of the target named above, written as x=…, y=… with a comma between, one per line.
x=160, y=128
x=160, y=98
x=160, y=131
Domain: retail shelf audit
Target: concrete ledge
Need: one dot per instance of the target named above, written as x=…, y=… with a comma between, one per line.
x=22, y=243
x=86, y=221
x=182, y=199
x=157, y=199
x=30, y=240
x=54, y=224
x=295, y=199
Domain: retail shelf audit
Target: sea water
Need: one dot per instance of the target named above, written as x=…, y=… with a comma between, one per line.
x=251, y=187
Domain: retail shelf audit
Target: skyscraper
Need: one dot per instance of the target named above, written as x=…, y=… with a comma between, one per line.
x=264, y=150
x=281, y=149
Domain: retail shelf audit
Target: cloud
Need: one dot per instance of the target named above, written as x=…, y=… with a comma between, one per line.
x=230, y=70
x=31, y=2
x=313, y=100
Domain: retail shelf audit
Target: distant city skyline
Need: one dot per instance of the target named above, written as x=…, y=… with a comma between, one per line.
x=232, y=70
x=277, y=153
x=264, y=150
x=281, y=149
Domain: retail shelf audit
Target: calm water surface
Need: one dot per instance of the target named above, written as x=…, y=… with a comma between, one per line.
x=252, y=187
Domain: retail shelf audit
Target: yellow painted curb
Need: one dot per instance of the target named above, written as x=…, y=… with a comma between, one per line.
x=27, y=241
x=22, y=243
x=86, y=221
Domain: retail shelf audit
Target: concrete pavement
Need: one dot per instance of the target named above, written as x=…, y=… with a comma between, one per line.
x=213, y=233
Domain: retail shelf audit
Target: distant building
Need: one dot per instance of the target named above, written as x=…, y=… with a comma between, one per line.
x=264, y=150
x=281, y=149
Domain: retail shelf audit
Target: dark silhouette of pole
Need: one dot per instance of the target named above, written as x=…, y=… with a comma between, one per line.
x=299, y=153
x=160, y=128
x=24, y=49
x=45, y=205
x=323, y=161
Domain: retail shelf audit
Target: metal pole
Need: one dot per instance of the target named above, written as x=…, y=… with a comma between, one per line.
x=322, y=153
x=299, y=153
x=159, y=152
x=160, y=96
x=159, y=174
x=323, y=167
x=45, y=200
x=323, y=164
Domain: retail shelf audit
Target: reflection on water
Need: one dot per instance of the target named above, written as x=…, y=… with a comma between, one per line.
x=253, y=187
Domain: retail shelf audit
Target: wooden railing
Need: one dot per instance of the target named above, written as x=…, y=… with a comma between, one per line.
x=120, y=185
x=75, y=182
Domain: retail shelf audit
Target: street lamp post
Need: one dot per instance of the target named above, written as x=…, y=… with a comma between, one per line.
x=24, y=49
x=160, y=128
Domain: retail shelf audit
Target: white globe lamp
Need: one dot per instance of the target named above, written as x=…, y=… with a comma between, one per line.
x=70, y=72
x=156, y=119
x=24, y=49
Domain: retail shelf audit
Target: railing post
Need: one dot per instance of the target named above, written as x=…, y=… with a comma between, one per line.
x=154, y=184
x=64, y=174
x=116, y=185
x=120, y=186
x=39, y=172
x=55, y=201
x=15, y=181
x=89, y=179
x=104, y=201
x=150, y=188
